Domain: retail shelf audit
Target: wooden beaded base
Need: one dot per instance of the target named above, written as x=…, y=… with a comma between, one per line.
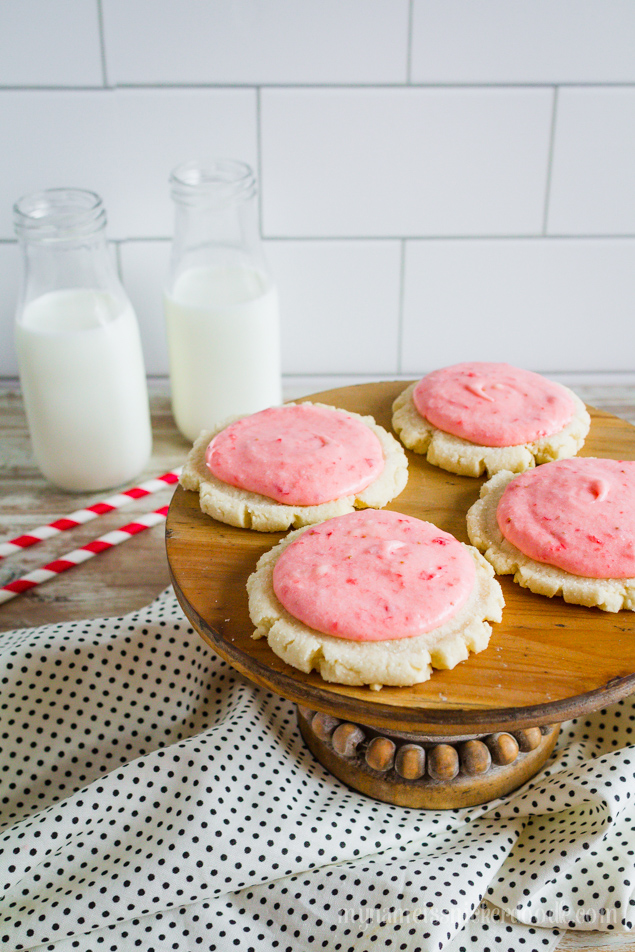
x=413, y=770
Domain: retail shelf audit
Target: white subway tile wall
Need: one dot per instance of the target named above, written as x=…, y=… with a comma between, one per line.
x=56, y=138
x=546, y=303
x=158, y=129
x=339, y=303
x=404, y=162
x=593, y=175
x=248, y=42
x=9, y=270
x=515, y=41
x=440, y=179
x=50, y=44
x=144, y=271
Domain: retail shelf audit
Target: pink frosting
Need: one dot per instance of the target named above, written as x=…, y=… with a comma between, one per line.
x=493, y=404
x=374, y=576
x=301, y=455
x=576, y=514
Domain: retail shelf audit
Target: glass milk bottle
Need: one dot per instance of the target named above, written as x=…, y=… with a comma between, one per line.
x=221, y=304
x=78, y=346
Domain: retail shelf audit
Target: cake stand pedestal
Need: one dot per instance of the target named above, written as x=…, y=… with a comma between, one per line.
x=424, y=770
x=467, y=735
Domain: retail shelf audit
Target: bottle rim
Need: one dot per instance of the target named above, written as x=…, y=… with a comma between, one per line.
x=59, y=214
x=212, y=182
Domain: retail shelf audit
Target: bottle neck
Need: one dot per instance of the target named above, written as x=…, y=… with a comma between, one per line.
x=216, y=220
x=62, y=233
x=216, y=237
x=67, y=265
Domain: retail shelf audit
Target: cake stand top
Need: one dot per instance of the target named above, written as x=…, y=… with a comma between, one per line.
x=546, y=662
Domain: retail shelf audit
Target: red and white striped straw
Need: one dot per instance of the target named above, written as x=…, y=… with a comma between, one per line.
x=77, y=556
x=81, y=516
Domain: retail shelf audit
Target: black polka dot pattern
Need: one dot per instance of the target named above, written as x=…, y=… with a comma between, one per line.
x=151, y=798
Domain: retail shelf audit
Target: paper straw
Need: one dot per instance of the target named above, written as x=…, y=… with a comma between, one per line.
x=77, y=556
x=81, y=516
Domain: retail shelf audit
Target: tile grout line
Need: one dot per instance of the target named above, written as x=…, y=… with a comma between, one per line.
x=293, y=86
x=369, y=85
x=591, y=376
x=554, y=237
x=259, y=159
x=400, y=306
x=102, y=44
x=552, y=138
x=118, y=245
x=409, y=43
x=624, y=236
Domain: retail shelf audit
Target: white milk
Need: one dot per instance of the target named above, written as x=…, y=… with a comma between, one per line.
x=224, y=344
x=84, y=387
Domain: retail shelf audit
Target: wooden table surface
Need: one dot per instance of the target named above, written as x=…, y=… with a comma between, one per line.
x=130, y=575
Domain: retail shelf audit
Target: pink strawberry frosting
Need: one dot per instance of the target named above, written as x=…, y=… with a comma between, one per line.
x=374, y=575
x=577, y=514
x=493, y=404
x=301, y=455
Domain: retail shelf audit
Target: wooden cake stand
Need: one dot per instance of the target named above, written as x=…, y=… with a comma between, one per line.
x=465, y=736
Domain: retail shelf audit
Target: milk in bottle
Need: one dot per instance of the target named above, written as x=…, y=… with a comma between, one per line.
x=78, y=346
x=221, y=305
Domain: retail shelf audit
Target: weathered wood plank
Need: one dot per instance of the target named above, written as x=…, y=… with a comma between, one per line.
x=114, y=582
x=595, y=942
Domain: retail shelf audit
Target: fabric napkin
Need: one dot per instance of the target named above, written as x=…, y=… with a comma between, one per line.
x=154, y=799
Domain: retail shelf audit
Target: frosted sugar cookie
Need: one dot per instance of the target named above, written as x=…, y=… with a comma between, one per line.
x=294, y=465
x=373, y=598
x=563, y=529
x=481, y=417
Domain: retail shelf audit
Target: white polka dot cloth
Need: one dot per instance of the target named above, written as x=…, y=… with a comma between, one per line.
x=153, y=799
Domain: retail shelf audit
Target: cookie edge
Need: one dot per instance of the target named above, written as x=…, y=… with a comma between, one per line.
x=248, y=510
x=457, y=455
x=337, y=660
x=611, y=595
